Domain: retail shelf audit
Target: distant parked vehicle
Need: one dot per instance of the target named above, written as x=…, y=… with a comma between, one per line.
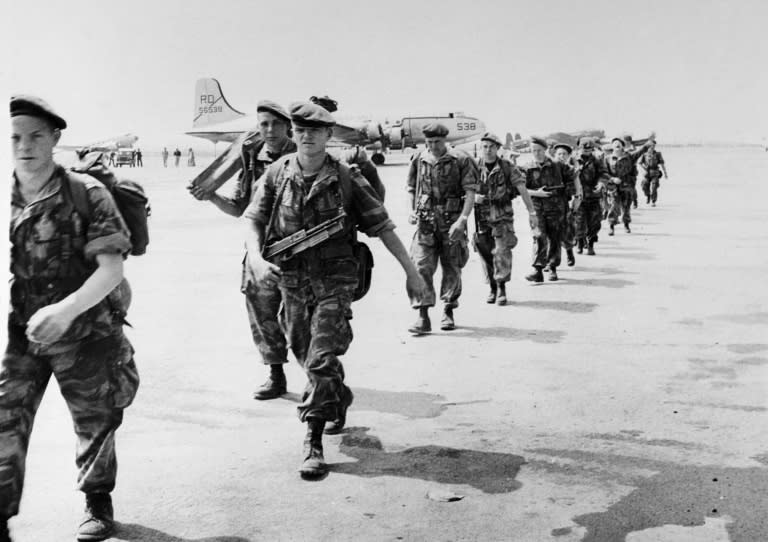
x=124, y=157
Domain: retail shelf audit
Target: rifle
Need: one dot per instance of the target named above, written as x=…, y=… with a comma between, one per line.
x=304, y=239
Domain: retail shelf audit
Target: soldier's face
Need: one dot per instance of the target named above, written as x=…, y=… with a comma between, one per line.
x=273, y=129
x=561, y=155
x=490, y=151
x=311, y=140
x=32, y=141
x=436, y=145
x=618, y=148
x=539, y=152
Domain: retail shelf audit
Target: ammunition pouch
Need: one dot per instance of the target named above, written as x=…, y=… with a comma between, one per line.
x=364, y=259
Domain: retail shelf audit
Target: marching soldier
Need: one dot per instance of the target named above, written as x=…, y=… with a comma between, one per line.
x=629, y=146
x=305, y=192
x=548, y=182
x=653, y=164
x=563, y=154
x=593, y=177
x=68, y=303
x=262, y=301
x=622, y=167
x=442, y=183
x=494, y=239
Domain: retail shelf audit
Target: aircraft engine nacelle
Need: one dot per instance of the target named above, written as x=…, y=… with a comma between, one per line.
x=373, y=131
x=395, y=137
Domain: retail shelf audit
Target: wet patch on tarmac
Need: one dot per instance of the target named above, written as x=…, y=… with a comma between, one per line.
x=743, y=408
x=752, y=318
x=752, y=361
x=634, y=438
x=708, y=369
x=566, y=306
x=489, y=472
x=132, y=532
x=761, y=458
x=747, y=348
x=409, y=404
x=690, y=322
x=562, y=531
x=683, y=495
x=546, y=336
x=603, y=283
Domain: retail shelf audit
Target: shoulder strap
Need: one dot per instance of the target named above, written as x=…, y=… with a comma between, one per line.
x=78, y=193
x=273, y=214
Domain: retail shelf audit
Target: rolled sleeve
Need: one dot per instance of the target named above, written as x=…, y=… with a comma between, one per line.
x=107, y=232
x=371, y=215
x=413, y=171
x=260, y=207
x=469, y=174
x=516, y=177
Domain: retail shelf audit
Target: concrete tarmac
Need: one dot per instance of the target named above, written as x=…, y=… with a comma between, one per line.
x=626, y=402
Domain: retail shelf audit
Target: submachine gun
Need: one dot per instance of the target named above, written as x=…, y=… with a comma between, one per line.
x=304, y=239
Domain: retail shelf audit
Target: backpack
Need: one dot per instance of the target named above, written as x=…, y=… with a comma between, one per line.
x=129, y=196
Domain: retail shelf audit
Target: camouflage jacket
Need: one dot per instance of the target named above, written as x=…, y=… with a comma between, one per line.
x=499, y=186
x=624, y=167
x=651, y=160
x=53, y=252
x=592, y=172
x=256, y=158
x=555, y=177
x=304, y=204
x=435, y=181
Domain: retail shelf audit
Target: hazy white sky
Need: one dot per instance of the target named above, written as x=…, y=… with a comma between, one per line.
x=691, y=70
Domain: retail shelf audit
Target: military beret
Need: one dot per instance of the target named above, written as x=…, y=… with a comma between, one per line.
x=565, y=146
x=627, y=138
x=535, y=140
x=310, y=115
x=619, y=140
x=435, y=129
x=586, y=143
x=33, y=106
x=493, y=138
x=273, y=107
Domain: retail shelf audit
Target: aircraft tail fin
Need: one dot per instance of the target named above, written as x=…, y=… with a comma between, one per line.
x=210, y=104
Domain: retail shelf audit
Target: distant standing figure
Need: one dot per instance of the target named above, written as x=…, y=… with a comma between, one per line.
x=176, y=157
x=139, y=161
x=133, y=158
x=112, y=158
x=653, y=165
x=191, y=158
x=165, y=156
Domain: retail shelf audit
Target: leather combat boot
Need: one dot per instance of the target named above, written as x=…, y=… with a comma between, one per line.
x=447, y=324
x=536, y=276
x=98, y=522
x=337, y=425
x=501, y=300
x=591, y=248
x=580, y=246
x=422, y=324
x=492, y=294
x=571, y=258
x=314, y=465
x=553, y=275
x=5, y=535
x=611, y=232
x=626, y=227
x=275, y=386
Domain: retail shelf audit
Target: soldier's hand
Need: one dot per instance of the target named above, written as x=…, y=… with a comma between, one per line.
x=415, y=286
x=479, y=198
x=615, y=180
x=50, y=323
x=533, y=221
x=199, y=193
x=262, y=271
x=540, y=193
x=457, y=229
x=412, y=218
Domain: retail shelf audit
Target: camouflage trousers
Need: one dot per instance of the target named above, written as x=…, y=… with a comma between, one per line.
x=317, y=309
x=588, y=220
x=620, y=205
x=431, y=244
x=650, y=187
x=547, y=239
x=97, y=379
x=569, y=228
x=262, y=301
x=494, y=244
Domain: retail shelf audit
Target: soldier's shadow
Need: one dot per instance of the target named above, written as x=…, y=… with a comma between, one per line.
x=132, y=532
x=489, y=472
x=604, y=283
x=546, y=336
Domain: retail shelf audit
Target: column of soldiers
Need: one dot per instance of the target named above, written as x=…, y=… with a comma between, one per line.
x=298, y=295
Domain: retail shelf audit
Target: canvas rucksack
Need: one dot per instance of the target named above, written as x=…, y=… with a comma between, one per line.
x=129, y=196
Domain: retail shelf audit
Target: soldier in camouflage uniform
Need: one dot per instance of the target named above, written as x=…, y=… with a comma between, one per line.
x=442, y=183
x=593, y=177
x=653, y=165
x=622, y=169
x=548, y=182
x=500, y=182
x=262, y=302
x=563, y=154
x=68, y=302
x=298, y=192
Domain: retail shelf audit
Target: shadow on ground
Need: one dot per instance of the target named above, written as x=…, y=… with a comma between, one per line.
x=487, y=471
x=566, y=306
x=604, y=283
x=641, y=256
x=132, y=532
x=546, y=336
x=678, y=494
